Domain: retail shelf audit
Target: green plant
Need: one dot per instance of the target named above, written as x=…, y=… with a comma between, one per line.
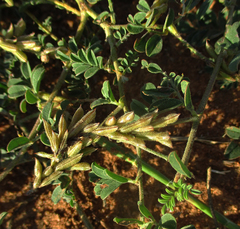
x=72, y=136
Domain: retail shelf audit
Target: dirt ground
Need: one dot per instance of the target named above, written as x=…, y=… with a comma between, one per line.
x=36, y=210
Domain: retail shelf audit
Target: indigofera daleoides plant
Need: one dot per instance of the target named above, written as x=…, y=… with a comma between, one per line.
x=73, y=135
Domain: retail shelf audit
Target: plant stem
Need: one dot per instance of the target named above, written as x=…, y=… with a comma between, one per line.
x=200, y=109
x=163, y=156
x=110, y=6
x=139, y=179
x=113, y=51
x=66, y=7
x=42, y=26
x=210, y=197
x=148, y=169
x=172, y=29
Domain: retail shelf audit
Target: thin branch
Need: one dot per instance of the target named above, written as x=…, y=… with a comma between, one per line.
x=42, y=26
x=139, y=178
x=210, y=197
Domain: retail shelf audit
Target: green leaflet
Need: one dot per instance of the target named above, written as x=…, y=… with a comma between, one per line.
x=177, y=164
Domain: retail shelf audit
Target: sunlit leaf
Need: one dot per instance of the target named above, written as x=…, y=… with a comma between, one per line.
x=143, y=6
x=153, y=45
x=144, y=211
x=154, y=68
x=91, y=72
x=233, y=132
x=2, y=216
x=134, y=29
x=23, y=106
x=63, y=56
x=16, y=91
x=30, y=97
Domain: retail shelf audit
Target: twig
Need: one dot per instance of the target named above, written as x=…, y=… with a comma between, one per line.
x=200, y=109
x=42, y=26
x=210, y=197
x=139, y=179
x=66, y=7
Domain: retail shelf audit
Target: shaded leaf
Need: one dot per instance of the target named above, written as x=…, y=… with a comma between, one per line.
x=127, y=221
x=46, y=111
x=232, y=151
x=139, y=108
x=233, y=66
x=26, y=70
x=36, y=77
x=44, y=139
x=73, y=45
x=177, y=164
x=166, y=104
x=107, y=91
x=140, y=43
x=169, y=19
x=168, y=221
x=16, y=143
